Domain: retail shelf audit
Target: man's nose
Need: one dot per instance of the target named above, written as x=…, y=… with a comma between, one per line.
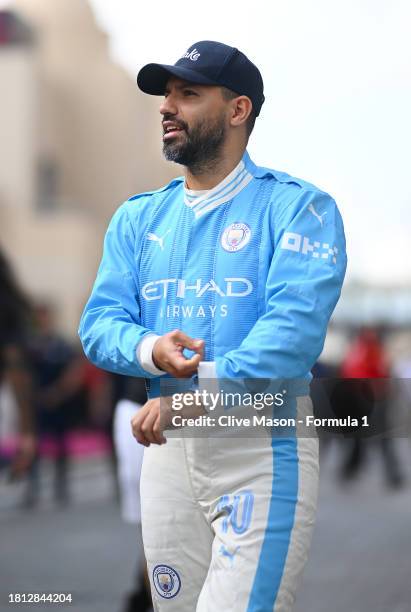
x=168, y=106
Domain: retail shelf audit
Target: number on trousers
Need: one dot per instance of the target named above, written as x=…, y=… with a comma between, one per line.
x=239, y=510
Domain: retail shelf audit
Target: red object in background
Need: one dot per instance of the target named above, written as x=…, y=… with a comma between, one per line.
x=93, y=377
x=98, y=386
x=366, y=358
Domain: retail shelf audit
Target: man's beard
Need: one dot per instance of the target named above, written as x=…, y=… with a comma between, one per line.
x=201, y=148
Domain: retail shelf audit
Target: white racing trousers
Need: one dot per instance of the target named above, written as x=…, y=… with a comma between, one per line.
x=227, y=521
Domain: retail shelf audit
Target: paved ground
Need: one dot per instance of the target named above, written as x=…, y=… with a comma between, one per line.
x=360, y=558
x=361, y=553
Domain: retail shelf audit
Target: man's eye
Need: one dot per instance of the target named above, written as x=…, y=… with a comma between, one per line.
x=189, y=92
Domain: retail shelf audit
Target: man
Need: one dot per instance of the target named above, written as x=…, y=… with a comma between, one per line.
x=231, y=273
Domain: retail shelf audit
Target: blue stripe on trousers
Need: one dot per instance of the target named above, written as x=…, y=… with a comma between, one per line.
x=280, y=522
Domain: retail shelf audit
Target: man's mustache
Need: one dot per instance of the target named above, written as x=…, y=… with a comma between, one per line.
x=180, y=124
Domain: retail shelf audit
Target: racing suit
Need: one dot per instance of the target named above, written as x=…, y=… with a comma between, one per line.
x=254, y=267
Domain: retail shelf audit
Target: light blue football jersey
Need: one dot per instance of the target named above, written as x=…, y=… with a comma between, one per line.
x=255, y=269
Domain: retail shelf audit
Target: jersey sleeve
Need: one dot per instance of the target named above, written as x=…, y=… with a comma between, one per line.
x=110, y=327
x=303, y=285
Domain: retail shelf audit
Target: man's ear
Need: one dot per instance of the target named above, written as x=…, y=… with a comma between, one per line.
x=240, y=110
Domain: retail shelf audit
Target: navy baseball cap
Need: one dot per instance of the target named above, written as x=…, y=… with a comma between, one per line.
x=208, y=63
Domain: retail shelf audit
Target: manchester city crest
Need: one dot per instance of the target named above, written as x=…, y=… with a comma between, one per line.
x=235, y=237
x=166, y=581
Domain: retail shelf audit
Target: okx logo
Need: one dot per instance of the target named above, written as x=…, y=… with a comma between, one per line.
x=301, y=244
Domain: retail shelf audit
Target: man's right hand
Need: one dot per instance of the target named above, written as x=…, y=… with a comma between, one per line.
x=168, y=354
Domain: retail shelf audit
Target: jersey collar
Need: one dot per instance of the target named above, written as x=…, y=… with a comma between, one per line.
x=202, y=202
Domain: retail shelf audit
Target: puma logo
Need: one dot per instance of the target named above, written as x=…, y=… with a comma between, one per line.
x=315, y=213
x=159, y=239
x=226, y=553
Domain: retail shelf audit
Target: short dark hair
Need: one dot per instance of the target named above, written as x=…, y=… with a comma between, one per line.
x=228, y=94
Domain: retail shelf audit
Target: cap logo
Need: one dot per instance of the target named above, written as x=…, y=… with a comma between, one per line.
x=191, y=55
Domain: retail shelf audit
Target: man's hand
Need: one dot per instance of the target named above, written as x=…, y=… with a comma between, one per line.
x=168, y=354
x=149, y=423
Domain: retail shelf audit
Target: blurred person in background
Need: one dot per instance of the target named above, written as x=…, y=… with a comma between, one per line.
x=367, y=359
x=99, y=402
x=15, y=314
x=402, y=372
x=58, y=395
x=132, y=396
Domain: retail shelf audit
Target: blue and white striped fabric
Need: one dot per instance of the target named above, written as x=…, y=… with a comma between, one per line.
x=202, y=202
